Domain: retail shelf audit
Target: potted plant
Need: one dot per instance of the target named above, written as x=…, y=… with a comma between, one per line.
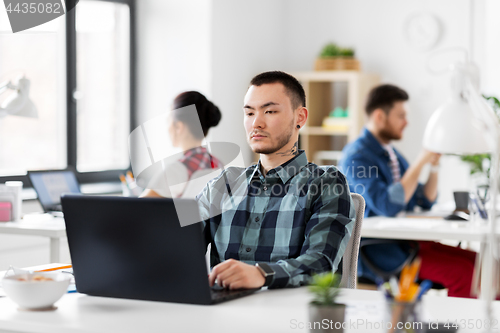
x=333, y=57
x=480, y=163
x=325, y=314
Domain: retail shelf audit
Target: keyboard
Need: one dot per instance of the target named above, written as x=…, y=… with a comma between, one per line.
x=220, y=294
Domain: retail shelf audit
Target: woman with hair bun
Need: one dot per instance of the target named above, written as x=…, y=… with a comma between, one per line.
x=185, y=133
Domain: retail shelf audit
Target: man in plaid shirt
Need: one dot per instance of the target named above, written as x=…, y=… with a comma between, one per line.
x=277, y=222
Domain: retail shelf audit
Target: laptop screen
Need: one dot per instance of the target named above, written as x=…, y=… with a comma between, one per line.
x=51, y=184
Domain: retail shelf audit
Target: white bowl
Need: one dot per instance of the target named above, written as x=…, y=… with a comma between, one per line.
x=35, y=295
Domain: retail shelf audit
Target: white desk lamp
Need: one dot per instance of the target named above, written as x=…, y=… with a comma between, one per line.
x=19, y=103
x=466, y=124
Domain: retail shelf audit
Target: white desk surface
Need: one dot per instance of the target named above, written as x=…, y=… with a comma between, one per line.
x=375, y=227
x=265, y=311
x=36, y=225
x=415, y=228
x=43, y=225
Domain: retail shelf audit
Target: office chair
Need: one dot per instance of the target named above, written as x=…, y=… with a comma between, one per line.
x=350, y=257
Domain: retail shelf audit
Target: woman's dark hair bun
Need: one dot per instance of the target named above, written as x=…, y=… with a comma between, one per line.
x=208, y=113
x=213, y=115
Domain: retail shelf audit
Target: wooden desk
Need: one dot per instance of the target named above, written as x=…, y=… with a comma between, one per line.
x=266, y=311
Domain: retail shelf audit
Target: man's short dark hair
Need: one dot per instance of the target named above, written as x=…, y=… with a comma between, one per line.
x=292, y=86
x=383, y=97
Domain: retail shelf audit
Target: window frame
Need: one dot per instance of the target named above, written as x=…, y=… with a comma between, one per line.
x=71, y=106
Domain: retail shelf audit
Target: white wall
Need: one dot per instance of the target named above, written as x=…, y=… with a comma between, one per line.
x=217, y=46
x=491, y=65
x=174, y=43
x=248, y=37
x=376, y=30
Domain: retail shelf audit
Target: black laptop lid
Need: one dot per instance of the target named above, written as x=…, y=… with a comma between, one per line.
x=49, y=185
x=135, y=248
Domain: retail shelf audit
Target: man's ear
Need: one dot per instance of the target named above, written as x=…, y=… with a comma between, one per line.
x=302, y=114
x=379, y=116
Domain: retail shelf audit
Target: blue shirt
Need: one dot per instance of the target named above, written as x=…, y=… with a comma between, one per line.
x=366, y=165
x=298, y=218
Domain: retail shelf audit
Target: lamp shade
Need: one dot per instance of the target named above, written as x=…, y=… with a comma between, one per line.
x=19, y=103
x=453, y=129
x=28, y=110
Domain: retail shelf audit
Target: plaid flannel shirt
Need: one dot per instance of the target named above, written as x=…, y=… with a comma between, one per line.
x=298, y=218
x=198, y=158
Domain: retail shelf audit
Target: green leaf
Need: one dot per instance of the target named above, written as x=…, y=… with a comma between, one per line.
x=347, y=52
x=330, y=50
x=476, y=162
x=325, y=288
x=495, y=104
x=333, y=50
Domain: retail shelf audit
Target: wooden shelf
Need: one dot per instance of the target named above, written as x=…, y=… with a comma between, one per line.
x=319, y=130
x=326, y=90
x=327, y=155
x=328, y=76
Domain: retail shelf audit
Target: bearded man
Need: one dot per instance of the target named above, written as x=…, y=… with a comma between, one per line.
x=389, y=185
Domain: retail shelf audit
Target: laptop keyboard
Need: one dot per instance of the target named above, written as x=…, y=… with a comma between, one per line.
x=220, y=294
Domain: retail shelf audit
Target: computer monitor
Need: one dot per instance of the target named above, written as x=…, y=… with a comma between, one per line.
x=49, y=185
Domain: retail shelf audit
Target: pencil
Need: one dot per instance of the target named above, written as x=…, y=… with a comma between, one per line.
x=54, y=269
x=123, y=180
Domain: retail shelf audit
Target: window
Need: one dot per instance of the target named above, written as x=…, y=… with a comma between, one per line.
x=39, y=55
x=82, y=70
x=103, y=81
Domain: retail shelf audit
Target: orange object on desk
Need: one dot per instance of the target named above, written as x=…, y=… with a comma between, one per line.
x=407, y=286
x=54, y=268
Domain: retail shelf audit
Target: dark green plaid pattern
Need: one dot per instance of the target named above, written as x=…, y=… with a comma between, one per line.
x=298, y=218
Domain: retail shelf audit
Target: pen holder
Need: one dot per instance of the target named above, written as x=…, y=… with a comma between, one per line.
x=125, y=191
x=404, y=317
x=131, y=190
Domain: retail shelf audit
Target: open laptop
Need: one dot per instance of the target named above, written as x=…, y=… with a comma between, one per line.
x=135, y=248
x=49, y=185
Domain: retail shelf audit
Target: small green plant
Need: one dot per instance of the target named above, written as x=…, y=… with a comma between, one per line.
x=330, y=50
x=325, y=288
x=333, y=50
x=347, y=52
x=477, y=162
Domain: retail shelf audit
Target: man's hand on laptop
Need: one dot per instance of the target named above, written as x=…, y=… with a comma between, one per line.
x=234, y=274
